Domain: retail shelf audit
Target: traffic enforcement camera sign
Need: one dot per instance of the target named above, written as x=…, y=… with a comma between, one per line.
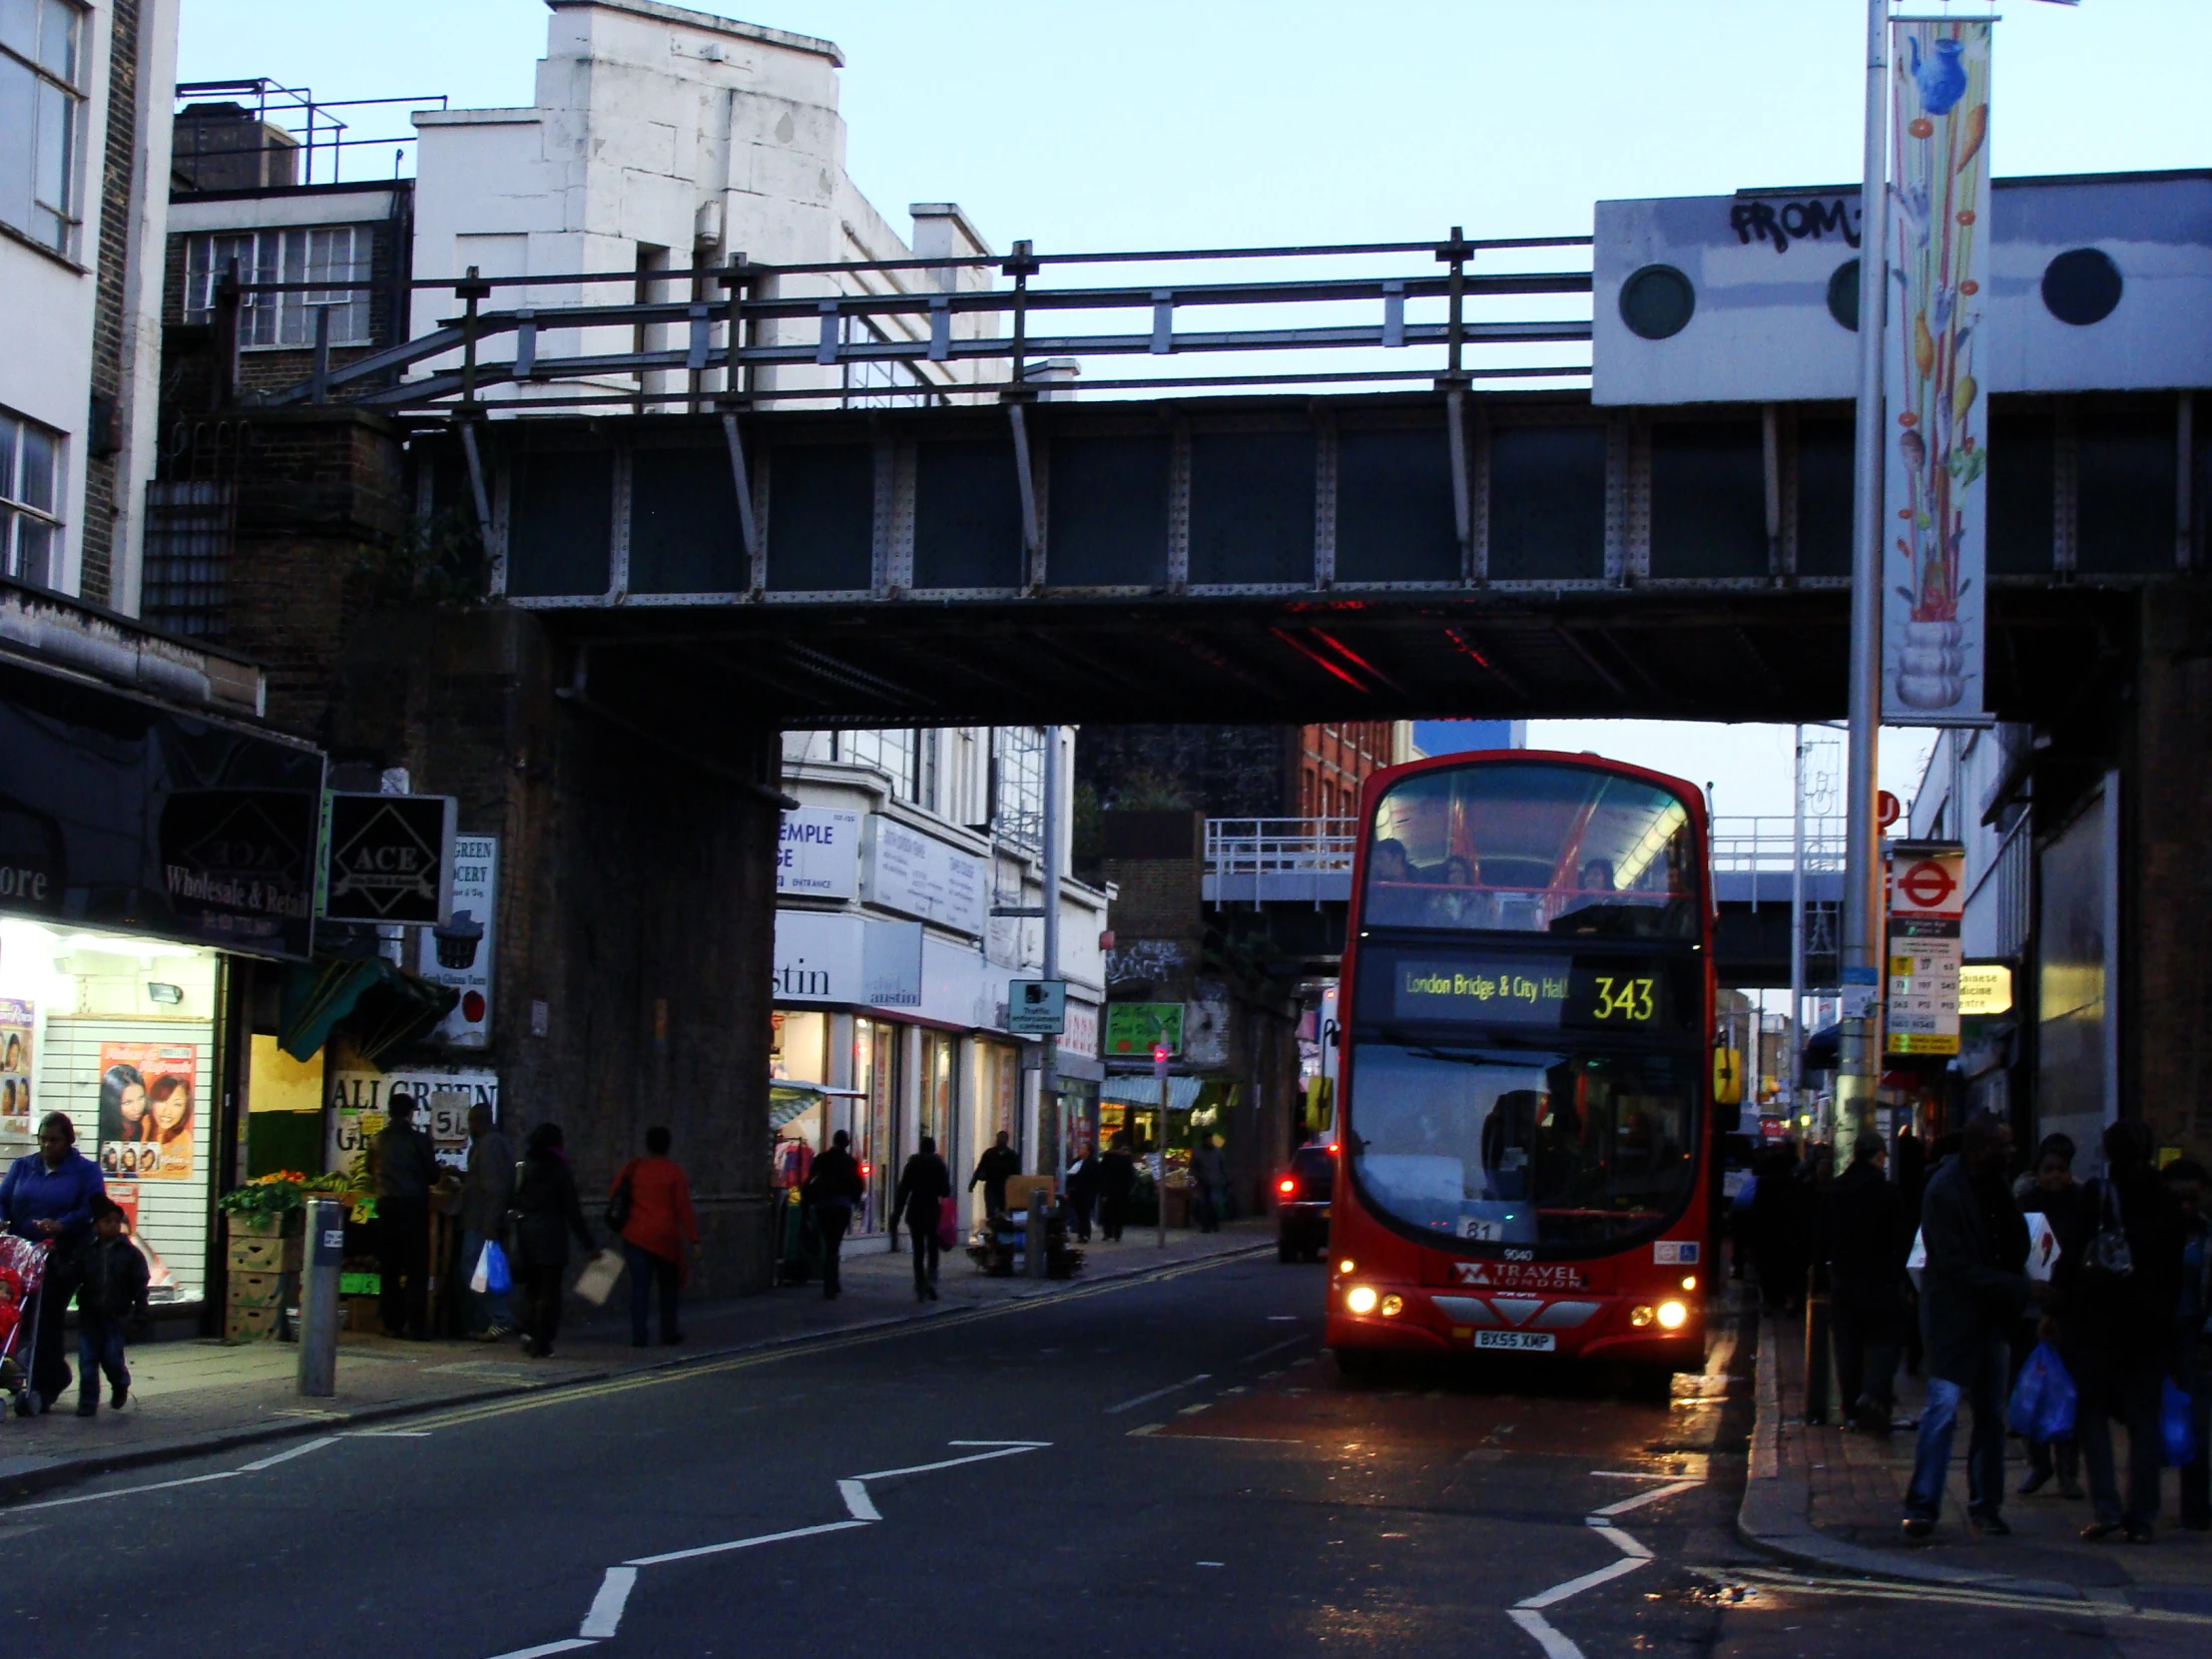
x=1037, y=1008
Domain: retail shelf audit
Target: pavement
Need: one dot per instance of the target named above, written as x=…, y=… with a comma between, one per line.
x=1830, y=1499
x=194, y=1396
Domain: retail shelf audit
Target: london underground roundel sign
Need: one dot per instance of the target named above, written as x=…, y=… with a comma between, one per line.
x=1927, y=884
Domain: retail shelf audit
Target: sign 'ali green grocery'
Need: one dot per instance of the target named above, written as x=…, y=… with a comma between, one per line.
x=1132, y=1028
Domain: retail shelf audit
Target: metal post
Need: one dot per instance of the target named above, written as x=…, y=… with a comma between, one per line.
x=318, y=1298
x=1048, y=1067
x=1160, y=1157
x=1860, y=949
x=1035, y=1246
x=1021, y=267
x=318, y=376
x=1797, y=925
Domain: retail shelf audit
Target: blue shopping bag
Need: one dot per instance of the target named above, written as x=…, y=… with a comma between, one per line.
x=2175, y=1427
x=492, y=1275
x=2042, y=1408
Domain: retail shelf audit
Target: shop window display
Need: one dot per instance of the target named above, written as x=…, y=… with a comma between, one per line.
x=118, y=1033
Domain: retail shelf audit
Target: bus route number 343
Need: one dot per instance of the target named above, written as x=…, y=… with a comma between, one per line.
x=1628, y=1000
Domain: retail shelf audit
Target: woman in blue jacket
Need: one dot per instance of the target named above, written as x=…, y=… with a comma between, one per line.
x=47, y=1197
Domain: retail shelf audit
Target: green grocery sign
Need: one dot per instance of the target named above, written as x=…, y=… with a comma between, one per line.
x=1133, y=1027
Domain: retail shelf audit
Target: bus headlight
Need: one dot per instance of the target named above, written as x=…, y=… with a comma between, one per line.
x=1639, y=1316
x=1393, y=1305
x=1672, y=1315
x=1689, y=1281
x=1360, y=1299
x=1344, y=1266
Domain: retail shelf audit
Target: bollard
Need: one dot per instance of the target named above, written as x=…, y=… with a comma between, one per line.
x=1817, y=1360
x=318, y=1298
x=1036, y=1226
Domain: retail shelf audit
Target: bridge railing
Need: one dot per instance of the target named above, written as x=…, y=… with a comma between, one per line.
x=1280, y=845
x=1449, y=314
x=1759, y=845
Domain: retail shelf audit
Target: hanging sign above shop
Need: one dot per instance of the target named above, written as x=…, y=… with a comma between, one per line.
x=460, y=953
x=818, y=853
x=389, y=859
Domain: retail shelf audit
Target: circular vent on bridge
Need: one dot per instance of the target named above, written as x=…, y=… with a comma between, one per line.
x=1656, y=301
x=2081, y=287
x=1843, y=295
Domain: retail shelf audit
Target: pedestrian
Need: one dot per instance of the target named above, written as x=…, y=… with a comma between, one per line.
x=47, y=1196
x=1082, y=1189
x=2118, y=1328
x=1866, y=1262
x=993, y=1169
x=1209, y=1183
x=834, y=1187
x=1781, y=1232
x=924, y=1186
x=111, y=1291
x=1974, y=1287
x=2049, y=1190
x=488, y=1193
x=2187, y=1181
x=1117, y=1179
x=407, y=1166
x=1912, y=1174
x=547, y=1215
x=658, y=1231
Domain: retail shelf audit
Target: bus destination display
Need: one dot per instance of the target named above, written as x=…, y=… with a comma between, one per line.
x=1534, y=993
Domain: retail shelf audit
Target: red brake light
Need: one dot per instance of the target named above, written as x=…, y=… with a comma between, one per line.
x=1331, y=1149
x=1286, y=1185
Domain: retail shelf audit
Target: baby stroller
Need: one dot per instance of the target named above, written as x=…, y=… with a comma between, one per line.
x=22, y=1260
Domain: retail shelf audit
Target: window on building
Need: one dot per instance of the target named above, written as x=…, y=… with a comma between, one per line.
x=335, y=254
x=890, y=751
x=188, y=555
x=30, y=495
x=41, y=116
x=1017, y=784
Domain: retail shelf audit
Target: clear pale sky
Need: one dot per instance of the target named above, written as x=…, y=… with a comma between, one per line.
x=1201, y=122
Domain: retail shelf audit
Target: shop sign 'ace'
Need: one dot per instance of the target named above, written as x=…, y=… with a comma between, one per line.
x=389, y=859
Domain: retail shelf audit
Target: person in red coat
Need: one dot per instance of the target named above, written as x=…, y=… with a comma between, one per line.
x=651, y=1199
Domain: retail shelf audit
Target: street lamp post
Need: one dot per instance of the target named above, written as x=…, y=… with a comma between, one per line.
x=1861, y=946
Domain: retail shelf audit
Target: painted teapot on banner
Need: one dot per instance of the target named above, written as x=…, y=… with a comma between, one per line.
x=1941, y=77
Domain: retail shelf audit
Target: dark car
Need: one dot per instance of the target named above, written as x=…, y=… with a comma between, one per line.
x=1302, y=1202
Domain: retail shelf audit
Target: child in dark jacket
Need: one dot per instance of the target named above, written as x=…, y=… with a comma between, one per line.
x=114, y=1289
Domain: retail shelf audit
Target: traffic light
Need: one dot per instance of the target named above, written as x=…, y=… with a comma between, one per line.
x=1160, y=1060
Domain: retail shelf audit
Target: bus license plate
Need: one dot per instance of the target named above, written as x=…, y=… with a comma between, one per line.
x=1520, y=1342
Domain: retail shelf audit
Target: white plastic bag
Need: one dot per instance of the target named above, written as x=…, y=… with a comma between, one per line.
x=481, y=1279
x=2043, y=1247
x=1916, y=1263
x=597, y=1281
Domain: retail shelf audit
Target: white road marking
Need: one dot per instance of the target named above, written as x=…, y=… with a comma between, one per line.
x=1277, y=1347
x=736, y=1543
x=605, y=1617
x=1621, y=1541
x=1652, y=1496
x=1013, y=1450
x=1555, y=1645
x=569, y=1645
x=1588, y=1581
x=269, y=1462
x=1159, y=1394
x=125, y=1492
x=1034, y=1445
x=386, y=1434
x=856, y=1502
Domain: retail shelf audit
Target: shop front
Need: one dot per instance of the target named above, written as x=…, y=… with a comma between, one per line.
x=153, y=862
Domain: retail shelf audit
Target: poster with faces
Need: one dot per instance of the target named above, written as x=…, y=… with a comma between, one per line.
x=16, y=1021
x=147, y=1111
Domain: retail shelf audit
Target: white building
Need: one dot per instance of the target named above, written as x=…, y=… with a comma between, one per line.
x=893, y=963
x=663, y=139
x=84, y=194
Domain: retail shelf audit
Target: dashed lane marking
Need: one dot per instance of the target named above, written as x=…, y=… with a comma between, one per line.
x=1158, y=1393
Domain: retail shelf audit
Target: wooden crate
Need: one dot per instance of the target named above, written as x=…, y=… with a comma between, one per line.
x=261, y=1289
x=362, y=1315
x=250, y=1325
x=255, y=1253
x=253, y=1227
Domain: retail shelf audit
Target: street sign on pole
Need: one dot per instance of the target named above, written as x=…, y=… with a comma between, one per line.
x=1037, y=1008
x=1928, y=900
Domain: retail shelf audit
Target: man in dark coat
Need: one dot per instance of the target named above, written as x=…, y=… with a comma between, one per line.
x=1866, y=1275
x=924, y=1186
x=2116, y=1329
x=1083, y=1193
x=834, y=1187
x=406, y=1164
x=1975, y=1285
x=1117, y=1179
x=999, y=1160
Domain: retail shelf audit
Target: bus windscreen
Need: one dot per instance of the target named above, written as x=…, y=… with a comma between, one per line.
x=1531, y=848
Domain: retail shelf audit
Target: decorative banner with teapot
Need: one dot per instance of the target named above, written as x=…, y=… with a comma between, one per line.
x=1936, y=470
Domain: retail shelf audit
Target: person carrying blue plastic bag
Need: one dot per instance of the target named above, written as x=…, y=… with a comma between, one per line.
x=2042, y=1409
x=487, y=1189
x=2116, y=1328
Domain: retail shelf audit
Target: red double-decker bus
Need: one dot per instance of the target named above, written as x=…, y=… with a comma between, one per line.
x=1525, y=1078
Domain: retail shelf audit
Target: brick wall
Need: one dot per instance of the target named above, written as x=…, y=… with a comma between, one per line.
x=2167, y=897
x=1221, y=770
x=118, y=167
x=1156, y=861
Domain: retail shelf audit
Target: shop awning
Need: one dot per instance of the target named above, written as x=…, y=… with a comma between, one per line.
x=1183, y=1092
x=786, y=1099
x=389, y=1006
